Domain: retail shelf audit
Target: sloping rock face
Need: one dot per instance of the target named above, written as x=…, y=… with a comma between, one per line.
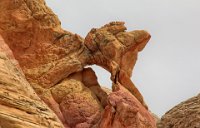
x=184, y=115
x=20, y=107
x=54, y=60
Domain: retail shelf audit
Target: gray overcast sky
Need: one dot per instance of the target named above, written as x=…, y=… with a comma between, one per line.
x=168, y=69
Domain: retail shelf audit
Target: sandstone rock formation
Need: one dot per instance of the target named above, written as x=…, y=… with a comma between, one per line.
x=184, y=115
x=116, y=50
x=53, y=61
x=19, y=105
x=125, y=111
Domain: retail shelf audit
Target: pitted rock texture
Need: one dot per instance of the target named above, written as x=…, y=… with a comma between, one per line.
x=184, y=115
x=20, y=107
x=125, y=111
x=114, y=49
x=54, y=62
x=33, y=33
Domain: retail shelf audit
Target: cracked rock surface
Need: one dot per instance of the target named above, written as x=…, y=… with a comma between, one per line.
x=54, y=62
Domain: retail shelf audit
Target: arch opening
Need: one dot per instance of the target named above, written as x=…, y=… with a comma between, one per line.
x=103, y=76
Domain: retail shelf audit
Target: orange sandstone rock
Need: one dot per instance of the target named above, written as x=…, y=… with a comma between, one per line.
x=114, y=49
x=19, y=105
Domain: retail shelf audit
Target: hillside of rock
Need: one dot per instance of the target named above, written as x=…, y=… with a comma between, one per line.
x=184, y=115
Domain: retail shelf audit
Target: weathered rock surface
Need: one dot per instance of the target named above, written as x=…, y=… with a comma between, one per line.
x=116, y=50
x=184, y=115
x=53, y=61
x=20, y=107
x=125, y=111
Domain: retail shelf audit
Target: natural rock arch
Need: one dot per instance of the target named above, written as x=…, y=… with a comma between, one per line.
x=53, y=62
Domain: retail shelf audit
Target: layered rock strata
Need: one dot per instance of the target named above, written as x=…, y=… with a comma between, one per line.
x=20, y=107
